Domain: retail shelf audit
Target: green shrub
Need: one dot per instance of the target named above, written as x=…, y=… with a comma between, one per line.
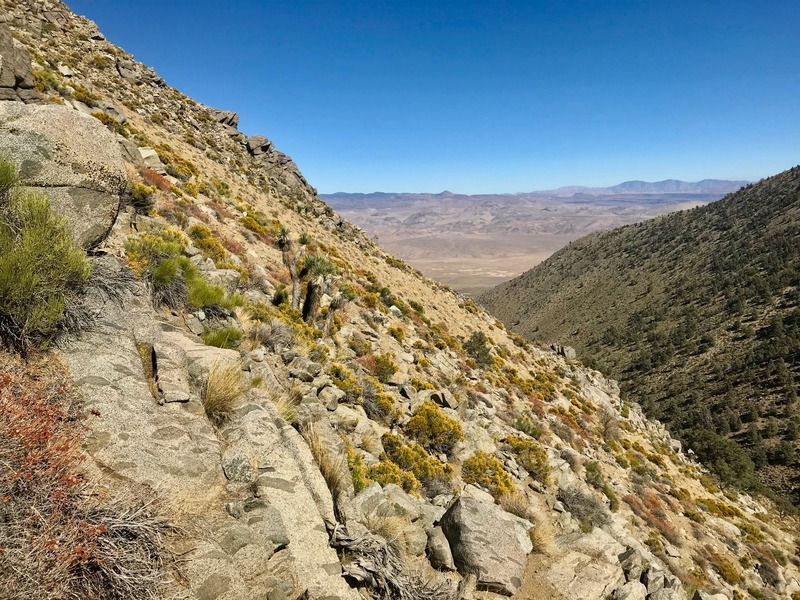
x=205, y=241
x=380, y=365
x=111, y=123
x=343, y=379
x=432, y=473
x=397, y=333
x=525, y=425
x=359, y=345
x=488, y=472
x=433, y=429
x=227, y=337
x=531, y=456
x=41, y=268
x=386, y=472
x=379, y=405
x=142, y=197
x=81, y=94
x=477, y=349
x=595, y=478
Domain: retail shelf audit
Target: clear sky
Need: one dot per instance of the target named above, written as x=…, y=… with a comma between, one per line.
x=492, y=96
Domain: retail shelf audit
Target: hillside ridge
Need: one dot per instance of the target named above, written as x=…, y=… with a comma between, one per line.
x=250, y=399
x=696, y=314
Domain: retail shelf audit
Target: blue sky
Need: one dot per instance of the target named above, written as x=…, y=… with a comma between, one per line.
x=492, y=96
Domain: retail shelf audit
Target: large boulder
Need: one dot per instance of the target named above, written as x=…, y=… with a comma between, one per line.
x=487, y=541
x=73, y=158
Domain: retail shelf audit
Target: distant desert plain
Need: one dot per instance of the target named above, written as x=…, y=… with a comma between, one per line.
x=475, y=242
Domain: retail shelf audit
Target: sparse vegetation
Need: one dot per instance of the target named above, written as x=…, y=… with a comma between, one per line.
x=531, y=456
x=68, y=537
x=432, y=473
x=697, y=313
x=587, y=509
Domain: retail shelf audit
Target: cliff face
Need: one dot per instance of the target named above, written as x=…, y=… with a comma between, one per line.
x=313, y=419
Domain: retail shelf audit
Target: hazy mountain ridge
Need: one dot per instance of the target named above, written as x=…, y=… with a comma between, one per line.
x=670, y=186
x=474, y=242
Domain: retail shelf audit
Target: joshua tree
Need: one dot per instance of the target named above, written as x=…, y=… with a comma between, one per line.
x=291, y=260
x=318, y=269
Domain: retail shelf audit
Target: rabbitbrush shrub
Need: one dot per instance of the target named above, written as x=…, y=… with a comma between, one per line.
x=41, y=268
x=488, y=472
x=433, y=429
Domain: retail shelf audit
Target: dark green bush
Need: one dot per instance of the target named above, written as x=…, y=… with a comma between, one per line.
x=476, y=347
x=41, y=268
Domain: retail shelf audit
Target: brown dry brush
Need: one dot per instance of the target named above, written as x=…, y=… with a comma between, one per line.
x=59, y=538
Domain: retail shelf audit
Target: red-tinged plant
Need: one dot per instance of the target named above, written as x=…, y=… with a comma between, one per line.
x=155, y=179
x=61, y=539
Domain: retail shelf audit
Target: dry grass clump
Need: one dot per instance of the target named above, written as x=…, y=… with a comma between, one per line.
x=286, y=401
x=541, y=534
x=649, y=507
x=332, y=464
x=588, y=510
x=224, y=387
x=60, y=537
x=391, y=528
x=516, y=503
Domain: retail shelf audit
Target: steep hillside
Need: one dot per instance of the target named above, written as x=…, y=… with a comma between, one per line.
x=698, y=314
x=213, y=387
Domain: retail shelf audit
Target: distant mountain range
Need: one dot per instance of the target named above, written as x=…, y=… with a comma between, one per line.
x=667, y=186
x=475, y=242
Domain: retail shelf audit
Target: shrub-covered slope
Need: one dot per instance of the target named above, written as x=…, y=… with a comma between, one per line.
x=697, y=314
x=307, y=417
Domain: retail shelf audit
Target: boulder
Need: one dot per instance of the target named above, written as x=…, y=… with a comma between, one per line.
x=150, y=159
x=487, y=541
x=632, y=564
x=633, y=590
x=226, y=117
x=438, y=550
x=73, y=158
x=227, y=279
x=668, y=594
x=590, y=568
x=258, y=144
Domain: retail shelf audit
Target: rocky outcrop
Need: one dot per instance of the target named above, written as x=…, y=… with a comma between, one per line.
x=71, y=157
x=487, y=541
x=252, y=488
x=16, y=74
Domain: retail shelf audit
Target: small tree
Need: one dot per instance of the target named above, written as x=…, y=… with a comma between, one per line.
x=291, y=260
x=476, y=347
x=318, y=269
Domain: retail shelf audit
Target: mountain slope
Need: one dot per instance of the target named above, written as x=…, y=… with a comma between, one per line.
x=298, y=413
x=697, y=314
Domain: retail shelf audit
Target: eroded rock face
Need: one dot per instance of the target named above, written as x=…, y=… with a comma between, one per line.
x=487, y=541
x=16, y=75
x=73, y=158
